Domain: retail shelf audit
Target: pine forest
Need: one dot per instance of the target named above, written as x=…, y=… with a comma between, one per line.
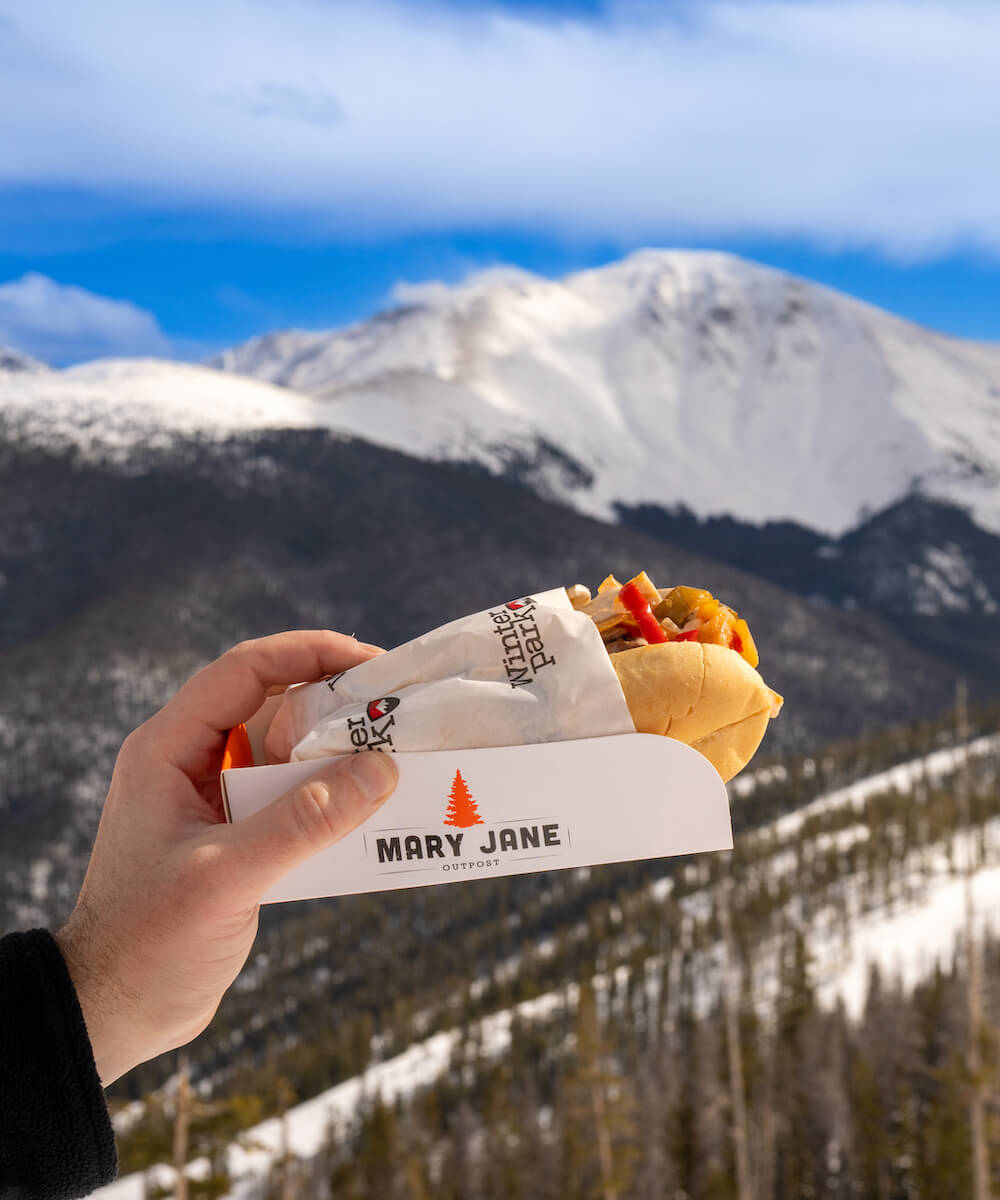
x=712, y=1028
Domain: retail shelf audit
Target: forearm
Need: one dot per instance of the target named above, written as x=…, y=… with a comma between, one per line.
x=166, y=916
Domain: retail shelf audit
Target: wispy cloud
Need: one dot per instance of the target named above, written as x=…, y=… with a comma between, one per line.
x=285, y=102
x=62, y=324
x=849, y=121
x=438, y=291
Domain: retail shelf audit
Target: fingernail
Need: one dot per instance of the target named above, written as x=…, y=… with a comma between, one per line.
x=373, y=649
x=375, y=774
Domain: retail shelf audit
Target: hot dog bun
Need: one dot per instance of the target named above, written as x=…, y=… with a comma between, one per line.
x=705, y=695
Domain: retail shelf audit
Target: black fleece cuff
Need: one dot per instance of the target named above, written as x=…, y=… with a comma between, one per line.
x=56, y=1140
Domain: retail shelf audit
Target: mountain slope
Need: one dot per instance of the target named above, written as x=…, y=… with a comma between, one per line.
x=884, y=890
x=671, y=377
x=924, y=566
x=121, y=576
x=106, y=408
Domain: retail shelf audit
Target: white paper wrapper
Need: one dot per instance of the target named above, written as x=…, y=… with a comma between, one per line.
x=531, y=670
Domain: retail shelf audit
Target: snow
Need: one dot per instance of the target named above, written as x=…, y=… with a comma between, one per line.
x=843, y=839
x=674, y=377
x=108, y=406
x=901, y=778
x=906, y=938
x=670, y=377
x=308, y=1125
x=948, y=582
x=747, y=783
x=906, y=943
x=38, y=875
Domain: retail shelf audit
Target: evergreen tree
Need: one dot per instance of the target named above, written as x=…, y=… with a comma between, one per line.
x=598, y=1111
x=462, y=809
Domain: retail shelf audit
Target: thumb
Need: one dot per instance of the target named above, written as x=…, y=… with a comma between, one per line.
x=310, y=816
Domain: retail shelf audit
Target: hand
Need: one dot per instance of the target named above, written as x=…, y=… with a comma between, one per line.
x=168, y=909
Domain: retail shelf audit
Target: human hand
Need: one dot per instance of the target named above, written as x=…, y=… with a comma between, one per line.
x=168, y=909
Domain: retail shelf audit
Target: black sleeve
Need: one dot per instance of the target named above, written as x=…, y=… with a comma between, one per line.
x=56, y=1139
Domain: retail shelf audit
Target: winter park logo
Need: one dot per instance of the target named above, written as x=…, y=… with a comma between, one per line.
x=447, y=852
x=521, y=642
x=377, y=709
x=372, y=730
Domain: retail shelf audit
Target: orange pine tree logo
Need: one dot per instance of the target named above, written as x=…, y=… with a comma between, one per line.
x=462, y=810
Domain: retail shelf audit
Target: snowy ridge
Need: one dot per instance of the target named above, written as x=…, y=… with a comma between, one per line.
x=906, y=939
x=937, y=765
x=671, y=377
x=933, y=767
x=108, y=407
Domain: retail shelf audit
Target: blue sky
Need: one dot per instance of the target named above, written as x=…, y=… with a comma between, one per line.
x=177, y=177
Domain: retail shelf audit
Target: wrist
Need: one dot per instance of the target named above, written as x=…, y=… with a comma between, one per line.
x=100, y=1000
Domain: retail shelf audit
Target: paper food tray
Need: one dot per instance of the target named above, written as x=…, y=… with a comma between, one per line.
x=510, y=810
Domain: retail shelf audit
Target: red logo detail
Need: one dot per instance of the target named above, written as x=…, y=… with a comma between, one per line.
x=515, y=605
x=462, y=810
x=377, y=709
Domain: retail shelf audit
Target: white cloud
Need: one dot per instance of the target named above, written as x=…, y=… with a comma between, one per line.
x=438, y=291
x=61, y=324
x=430, y=292
x=855, y=121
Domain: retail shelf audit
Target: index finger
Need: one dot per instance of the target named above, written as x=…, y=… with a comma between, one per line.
x=231, y=689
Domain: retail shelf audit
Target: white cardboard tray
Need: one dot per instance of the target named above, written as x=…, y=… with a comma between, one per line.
x=535, y=808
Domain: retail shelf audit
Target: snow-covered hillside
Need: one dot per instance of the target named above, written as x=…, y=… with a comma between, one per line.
x=671, y=377
x=111, y=405
x=914, y=927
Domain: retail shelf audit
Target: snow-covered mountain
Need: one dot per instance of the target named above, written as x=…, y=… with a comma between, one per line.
x=671, y=377
x=110, y=406
x=668, y=379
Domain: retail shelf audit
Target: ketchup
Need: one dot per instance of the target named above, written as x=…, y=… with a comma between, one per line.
x=638, y=606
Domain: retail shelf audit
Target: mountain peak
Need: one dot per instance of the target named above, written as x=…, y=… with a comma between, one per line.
x=706, y=261
x=676, y=377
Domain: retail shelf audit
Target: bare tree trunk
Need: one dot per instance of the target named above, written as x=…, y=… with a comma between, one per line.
x=182, y=1121
x=604, y=1155
x=730, y=996
x=768, y=1131
x=289, y=1173
x=973, y=965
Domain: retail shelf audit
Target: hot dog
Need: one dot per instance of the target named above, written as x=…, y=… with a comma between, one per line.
x=530, y=670
x=686, y=664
